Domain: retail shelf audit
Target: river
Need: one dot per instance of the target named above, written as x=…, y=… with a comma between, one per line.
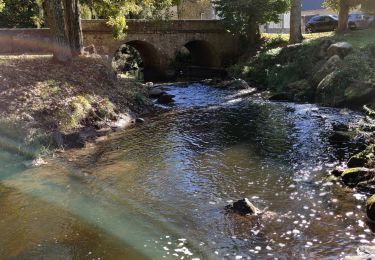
x=159, y=190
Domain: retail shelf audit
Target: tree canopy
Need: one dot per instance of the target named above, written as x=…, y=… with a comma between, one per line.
x=344, y=6
x=117, y=11
x=16, y=13
x=243, y=17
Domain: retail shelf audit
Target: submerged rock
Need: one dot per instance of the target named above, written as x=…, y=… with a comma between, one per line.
x=351, y=177
x=370, y=208
x=337, y=172
x=71, y=140
x=364, y=253
x=341, y=136
x=340, y=127
x=357, y=161
x=237, y=84
x=165, y=99
x=155, y=92
x=34, y=163
x=280, y=97
x=243, y=207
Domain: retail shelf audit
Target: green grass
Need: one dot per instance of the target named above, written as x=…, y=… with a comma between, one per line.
x=285, y=36
x=358, y=39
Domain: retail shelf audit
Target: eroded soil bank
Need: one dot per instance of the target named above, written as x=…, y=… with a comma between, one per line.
x=46, y=105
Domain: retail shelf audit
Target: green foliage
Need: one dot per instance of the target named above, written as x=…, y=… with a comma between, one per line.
x=141, y=99
x=238, y=71
x=243, y=17
x=356, y=66
x=21, y=14
x=2, y=4
x=280, y=76
x=17, y=137
x=70, y=116
x=260, y=67
x=274, y=41
x=116, y=11
x=366, y=5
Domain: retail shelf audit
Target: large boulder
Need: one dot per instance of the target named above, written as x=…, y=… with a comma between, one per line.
x=328, y=67
x=359, y=93
x=334, y=91
x=370, y=208
x=243, y=207
x=351, y=177
x=323, y=47
x=341, y=49
x=365, y=158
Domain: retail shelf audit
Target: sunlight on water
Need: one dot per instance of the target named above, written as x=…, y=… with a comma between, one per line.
x=159, y=190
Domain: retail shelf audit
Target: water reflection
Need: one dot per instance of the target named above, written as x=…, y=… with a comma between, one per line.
x=159, y=190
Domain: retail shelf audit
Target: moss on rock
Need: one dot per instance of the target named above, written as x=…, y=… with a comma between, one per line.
x=365, y=158
x=351, y=177
x=370, y=208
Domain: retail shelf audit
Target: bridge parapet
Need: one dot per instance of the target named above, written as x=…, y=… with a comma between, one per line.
x=163, y=26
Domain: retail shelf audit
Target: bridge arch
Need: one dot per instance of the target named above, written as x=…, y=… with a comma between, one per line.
x=203, y=53
x=151, y=59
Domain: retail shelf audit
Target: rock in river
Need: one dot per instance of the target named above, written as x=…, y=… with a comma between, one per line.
x=243, y=207
x=370, y=208
x=155, y=92
x=364, y=253
x=351, y=177
x=165, y=99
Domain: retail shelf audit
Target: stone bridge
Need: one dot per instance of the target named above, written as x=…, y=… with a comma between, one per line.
x=158, y=42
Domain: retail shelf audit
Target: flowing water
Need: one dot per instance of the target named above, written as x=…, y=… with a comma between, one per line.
x=159, y=190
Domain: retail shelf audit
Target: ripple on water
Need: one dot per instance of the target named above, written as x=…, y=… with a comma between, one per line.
x=160, y=189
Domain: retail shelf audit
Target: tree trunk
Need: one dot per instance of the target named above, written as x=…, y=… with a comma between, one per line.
x=295, y=22
x=55, y=21
x=344, y=9
x=73, y=26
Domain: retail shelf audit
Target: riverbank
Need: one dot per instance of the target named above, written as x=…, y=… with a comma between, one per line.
x=46, y=105
x=332, y=70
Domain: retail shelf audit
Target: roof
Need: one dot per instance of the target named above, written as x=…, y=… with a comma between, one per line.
x=312, y=4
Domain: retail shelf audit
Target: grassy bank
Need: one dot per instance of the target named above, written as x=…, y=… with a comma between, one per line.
x=40, y=98
x=308, y=72
x=358, y=39
x=314, y=71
